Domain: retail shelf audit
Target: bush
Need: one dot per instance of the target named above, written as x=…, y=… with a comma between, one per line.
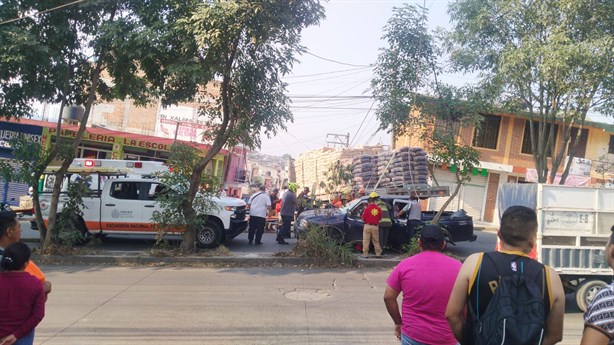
x=318, y=246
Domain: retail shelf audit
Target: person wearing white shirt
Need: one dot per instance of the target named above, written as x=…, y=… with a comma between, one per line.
x=258, y=205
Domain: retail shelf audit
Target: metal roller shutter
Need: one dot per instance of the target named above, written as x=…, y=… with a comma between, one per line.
x=471, y=194
x=11, y=191
x=445, y=178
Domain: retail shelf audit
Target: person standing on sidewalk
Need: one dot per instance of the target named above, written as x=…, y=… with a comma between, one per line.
x=426, y=280
x=288, y=207
x=22, y=297
x=10, y=232
x=259, y=204
x=370, y=233
x=413, y=210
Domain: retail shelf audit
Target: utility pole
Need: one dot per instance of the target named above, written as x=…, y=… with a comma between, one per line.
x=333, y=139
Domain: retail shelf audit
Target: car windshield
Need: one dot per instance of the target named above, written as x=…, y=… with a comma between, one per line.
x=349, y=205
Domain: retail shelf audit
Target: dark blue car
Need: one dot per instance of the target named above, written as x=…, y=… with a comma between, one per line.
x=345, y=225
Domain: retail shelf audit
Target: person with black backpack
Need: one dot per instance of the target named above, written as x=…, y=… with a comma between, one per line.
x=509, y=298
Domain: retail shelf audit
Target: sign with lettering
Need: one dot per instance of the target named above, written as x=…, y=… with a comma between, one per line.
x=10, y=131
x=580, y=166
x=569, y=221
x=111, y=139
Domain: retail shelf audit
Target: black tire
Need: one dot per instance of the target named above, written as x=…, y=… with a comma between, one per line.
x=209, y=235
x=79, y=224
x=335, y=234
x=587, y=292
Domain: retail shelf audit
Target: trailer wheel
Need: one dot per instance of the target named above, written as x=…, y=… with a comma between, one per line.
x=209, y=235
x=587, y=292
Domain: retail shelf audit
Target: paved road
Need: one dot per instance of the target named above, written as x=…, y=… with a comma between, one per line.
x=152, y=305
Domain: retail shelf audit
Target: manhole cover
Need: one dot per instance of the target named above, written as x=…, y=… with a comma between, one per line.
x=307, y=294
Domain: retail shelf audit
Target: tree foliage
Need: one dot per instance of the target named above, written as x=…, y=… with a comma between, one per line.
x=337, y=176
x=552, y=60
x=245, y=47
x=414, y=101
x=182, y=160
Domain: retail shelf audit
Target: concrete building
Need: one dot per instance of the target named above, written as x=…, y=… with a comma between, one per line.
x=506, y=156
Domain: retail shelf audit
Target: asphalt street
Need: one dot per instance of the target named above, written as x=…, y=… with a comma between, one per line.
x=158, y=305
x=103, y=305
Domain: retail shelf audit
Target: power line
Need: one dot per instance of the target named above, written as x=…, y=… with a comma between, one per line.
x=335, y=61
x=363, y=121
x=41, y=12
x=340, y=93
x=326, y=73
x=327, y=78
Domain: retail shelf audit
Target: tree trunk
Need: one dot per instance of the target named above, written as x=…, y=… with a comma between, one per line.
x=59, y=176
x=456, y=190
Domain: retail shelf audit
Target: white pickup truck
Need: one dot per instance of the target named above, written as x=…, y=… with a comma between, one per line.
x=125, y=205
x=573, y=227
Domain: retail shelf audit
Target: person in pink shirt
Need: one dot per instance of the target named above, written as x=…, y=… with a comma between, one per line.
x=426, y=280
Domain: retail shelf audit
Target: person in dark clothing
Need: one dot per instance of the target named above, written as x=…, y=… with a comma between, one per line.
x=480, y=274
x=22, y=297
x=413, y=210
x=288, y=207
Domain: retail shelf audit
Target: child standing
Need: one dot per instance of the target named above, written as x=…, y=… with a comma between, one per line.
x=370, y=233
x=22, y=298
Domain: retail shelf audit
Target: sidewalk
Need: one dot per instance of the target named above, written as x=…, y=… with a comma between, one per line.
x=241, y=254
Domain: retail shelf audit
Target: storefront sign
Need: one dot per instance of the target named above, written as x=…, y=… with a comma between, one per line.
x=111, y=139
x=10, y=131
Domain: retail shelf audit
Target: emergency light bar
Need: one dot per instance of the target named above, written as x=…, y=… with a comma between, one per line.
x=91, y=163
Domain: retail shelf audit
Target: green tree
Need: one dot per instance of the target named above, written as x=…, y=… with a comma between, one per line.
x=59, y=54
x=413, y=100
x=245, y=47
x=337, y=176
x=551, y=60
x=182, y=160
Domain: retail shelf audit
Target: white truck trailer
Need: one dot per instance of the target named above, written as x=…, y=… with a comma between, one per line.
x=574, y=227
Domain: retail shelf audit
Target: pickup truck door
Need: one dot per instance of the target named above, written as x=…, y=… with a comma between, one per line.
x=151, y=190
x=353, y=222
x=122, y=209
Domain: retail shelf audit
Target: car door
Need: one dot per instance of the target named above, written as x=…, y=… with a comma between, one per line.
x=121, y=209
x=150, y=191
x=354, y=223
x=398, y=236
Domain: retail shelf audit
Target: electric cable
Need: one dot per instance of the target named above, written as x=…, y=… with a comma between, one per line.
x=41, y=12
x=335, y=61
x=327, y=73
x=363, y=121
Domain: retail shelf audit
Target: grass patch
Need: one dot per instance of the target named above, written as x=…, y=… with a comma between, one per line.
x=322, y=250
x=164, y=249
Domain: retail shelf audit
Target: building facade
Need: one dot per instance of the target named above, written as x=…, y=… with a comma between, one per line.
x=503, y=142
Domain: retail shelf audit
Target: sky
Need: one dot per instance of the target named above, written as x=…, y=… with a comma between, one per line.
x=337, y=101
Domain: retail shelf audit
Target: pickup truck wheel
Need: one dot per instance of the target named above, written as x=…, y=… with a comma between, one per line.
x=79, y=224
x=209, y=235
x=587, y=292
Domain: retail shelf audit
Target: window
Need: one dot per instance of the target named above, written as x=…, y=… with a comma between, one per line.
x=133, y=190
x=526, y=140
x=487, y=135
x=611, y=147
x=447, y=126
x=582, y=142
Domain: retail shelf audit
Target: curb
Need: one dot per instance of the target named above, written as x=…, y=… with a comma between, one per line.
x=194, y=261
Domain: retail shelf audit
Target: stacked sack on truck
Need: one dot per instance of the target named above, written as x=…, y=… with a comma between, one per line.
x=383, y=168
x=408, y=166
x=364, y=171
